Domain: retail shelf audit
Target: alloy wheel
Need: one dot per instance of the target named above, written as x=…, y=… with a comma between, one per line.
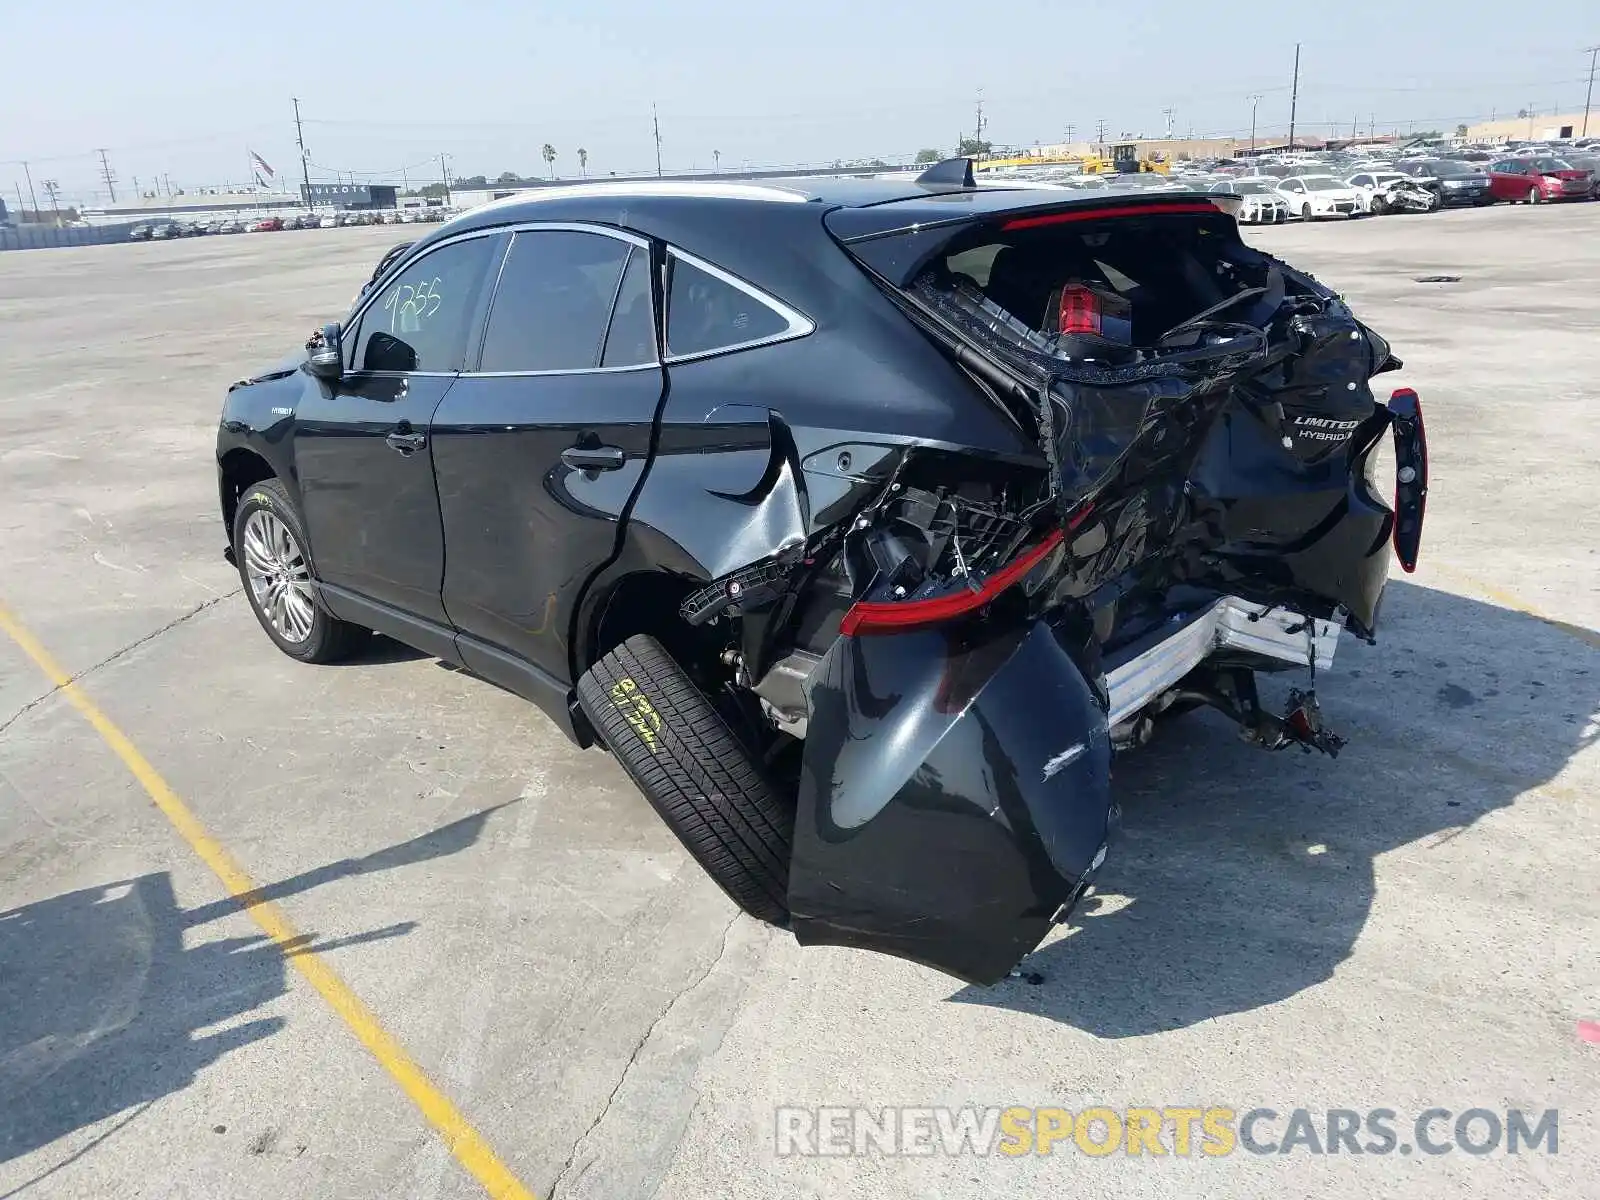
x=279, y=578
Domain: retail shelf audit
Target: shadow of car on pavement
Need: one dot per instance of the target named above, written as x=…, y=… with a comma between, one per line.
x=1241, y=878
x=110, y=1000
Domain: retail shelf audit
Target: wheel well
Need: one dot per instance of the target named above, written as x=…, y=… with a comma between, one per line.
x=240, y=468
x=648, y=603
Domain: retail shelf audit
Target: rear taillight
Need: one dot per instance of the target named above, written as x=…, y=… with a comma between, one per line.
x=869, y=617
x=1410, y=477
x=1080, y=310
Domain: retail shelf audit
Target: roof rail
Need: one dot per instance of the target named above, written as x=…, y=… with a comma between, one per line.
x=952, y=172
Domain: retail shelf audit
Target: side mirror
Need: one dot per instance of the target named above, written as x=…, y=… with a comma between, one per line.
x=325, y=353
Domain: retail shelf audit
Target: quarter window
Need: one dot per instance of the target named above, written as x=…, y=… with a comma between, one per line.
x=631, y=341
x=553, y=301
x=419, y=322
x=705, y=313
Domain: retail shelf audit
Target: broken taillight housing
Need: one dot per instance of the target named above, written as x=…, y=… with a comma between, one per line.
x=869, y=617
x=1079, y=310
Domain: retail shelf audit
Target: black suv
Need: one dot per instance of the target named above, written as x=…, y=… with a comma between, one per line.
x=862, y=520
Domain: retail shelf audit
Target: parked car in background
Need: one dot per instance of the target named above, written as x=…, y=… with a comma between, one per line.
x=163, y=230
x=1458, y=183
x=139, y=233
x=1312, y=197
x=1391, y=191
x=1259, y=202
x=1538, y=178
x=328, y=222
x=267, y=225
x=1589, y=162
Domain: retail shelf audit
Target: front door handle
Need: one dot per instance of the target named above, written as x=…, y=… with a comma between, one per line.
x=593, y=458
x=406, y=443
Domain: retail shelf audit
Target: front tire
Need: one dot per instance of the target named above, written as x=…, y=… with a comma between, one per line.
x=1535, y=196
x=697, y=776
x=269, y=543
x=1305, y=212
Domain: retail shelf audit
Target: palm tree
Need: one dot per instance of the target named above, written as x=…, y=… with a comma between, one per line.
x=583, y=160
x=549, y=153
x=716, y=157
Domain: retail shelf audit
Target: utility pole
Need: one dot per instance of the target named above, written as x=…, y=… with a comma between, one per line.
x=1254, y=99
x=167, y=179
x=977, y=141
x=1100, y=131
x=29, y=176
x=299, y=140
x=1372, y=124
x=1589, y=95
x=1530, y=120
x=1168, y=112
x=53, y=190
x=1071, y=129
x=655, y=120
x=21, y=207
x=108, y=176
x=444, y=172
x=1294, y=94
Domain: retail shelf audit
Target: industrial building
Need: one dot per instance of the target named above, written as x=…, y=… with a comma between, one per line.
x=1535, y=129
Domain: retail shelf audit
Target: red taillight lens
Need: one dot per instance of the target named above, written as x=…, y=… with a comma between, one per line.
x=1080, y=310
x=870, y=617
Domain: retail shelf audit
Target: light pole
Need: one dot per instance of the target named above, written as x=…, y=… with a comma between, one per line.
x=53, y=190
x=1589, y=95
x=1294, y=94
x=1254, y=101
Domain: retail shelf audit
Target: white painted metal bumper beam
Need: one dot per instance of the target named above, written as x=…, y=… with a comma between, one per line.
x=1229, y=624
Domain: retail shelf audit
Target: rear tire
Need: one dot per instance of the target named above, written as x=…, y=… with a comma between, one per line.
x=269, y=544
x=696, y=775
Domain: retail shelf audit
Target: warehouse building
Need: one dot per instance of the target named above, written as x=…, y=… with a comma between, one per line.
x=1534, y=129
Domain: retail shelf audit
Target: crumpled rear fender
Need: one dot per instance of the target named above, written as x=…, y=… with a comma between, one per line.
x=955, y=794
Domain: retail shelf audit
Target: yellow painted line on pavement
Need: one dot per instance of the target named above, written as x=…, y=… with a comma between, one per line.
x=1509, y=600
x=463, y=1141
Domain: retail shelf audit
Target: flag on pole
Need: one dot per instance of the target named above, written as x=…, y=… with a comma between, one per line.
x=261, y=163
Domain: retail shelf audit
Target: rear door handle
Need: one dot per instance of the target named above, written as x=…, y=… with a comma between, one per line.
x=407, y=443
x=593, y=458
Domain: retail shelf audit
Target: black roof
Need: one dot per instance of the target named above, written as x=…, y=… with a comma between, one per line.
x=909, y=203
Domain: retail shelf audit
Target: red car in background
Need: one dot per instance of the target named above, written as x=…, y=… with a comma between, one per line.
x=267, y=225
x=1537, y=179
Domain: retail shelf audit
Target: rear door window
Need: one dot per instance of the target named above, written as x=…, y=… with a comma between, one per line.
x=553, y=301
x=709, y=312
x=420, y=321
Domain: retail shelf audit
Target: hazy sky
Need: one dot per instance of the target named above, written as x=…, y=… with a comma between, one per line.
x=182, y=88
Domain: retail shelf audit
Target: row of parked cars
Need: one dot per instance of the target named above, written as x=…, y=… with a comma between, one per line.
x=1314, y=187
x=165, y=230
x=1317, y=185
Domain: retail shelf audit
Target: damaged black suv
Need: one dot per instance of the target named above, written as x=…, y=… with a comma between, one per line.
x=861, y=520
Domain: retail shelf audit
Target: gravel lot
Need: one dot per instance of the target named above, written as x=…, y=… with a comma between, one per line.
x=1413, y=925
